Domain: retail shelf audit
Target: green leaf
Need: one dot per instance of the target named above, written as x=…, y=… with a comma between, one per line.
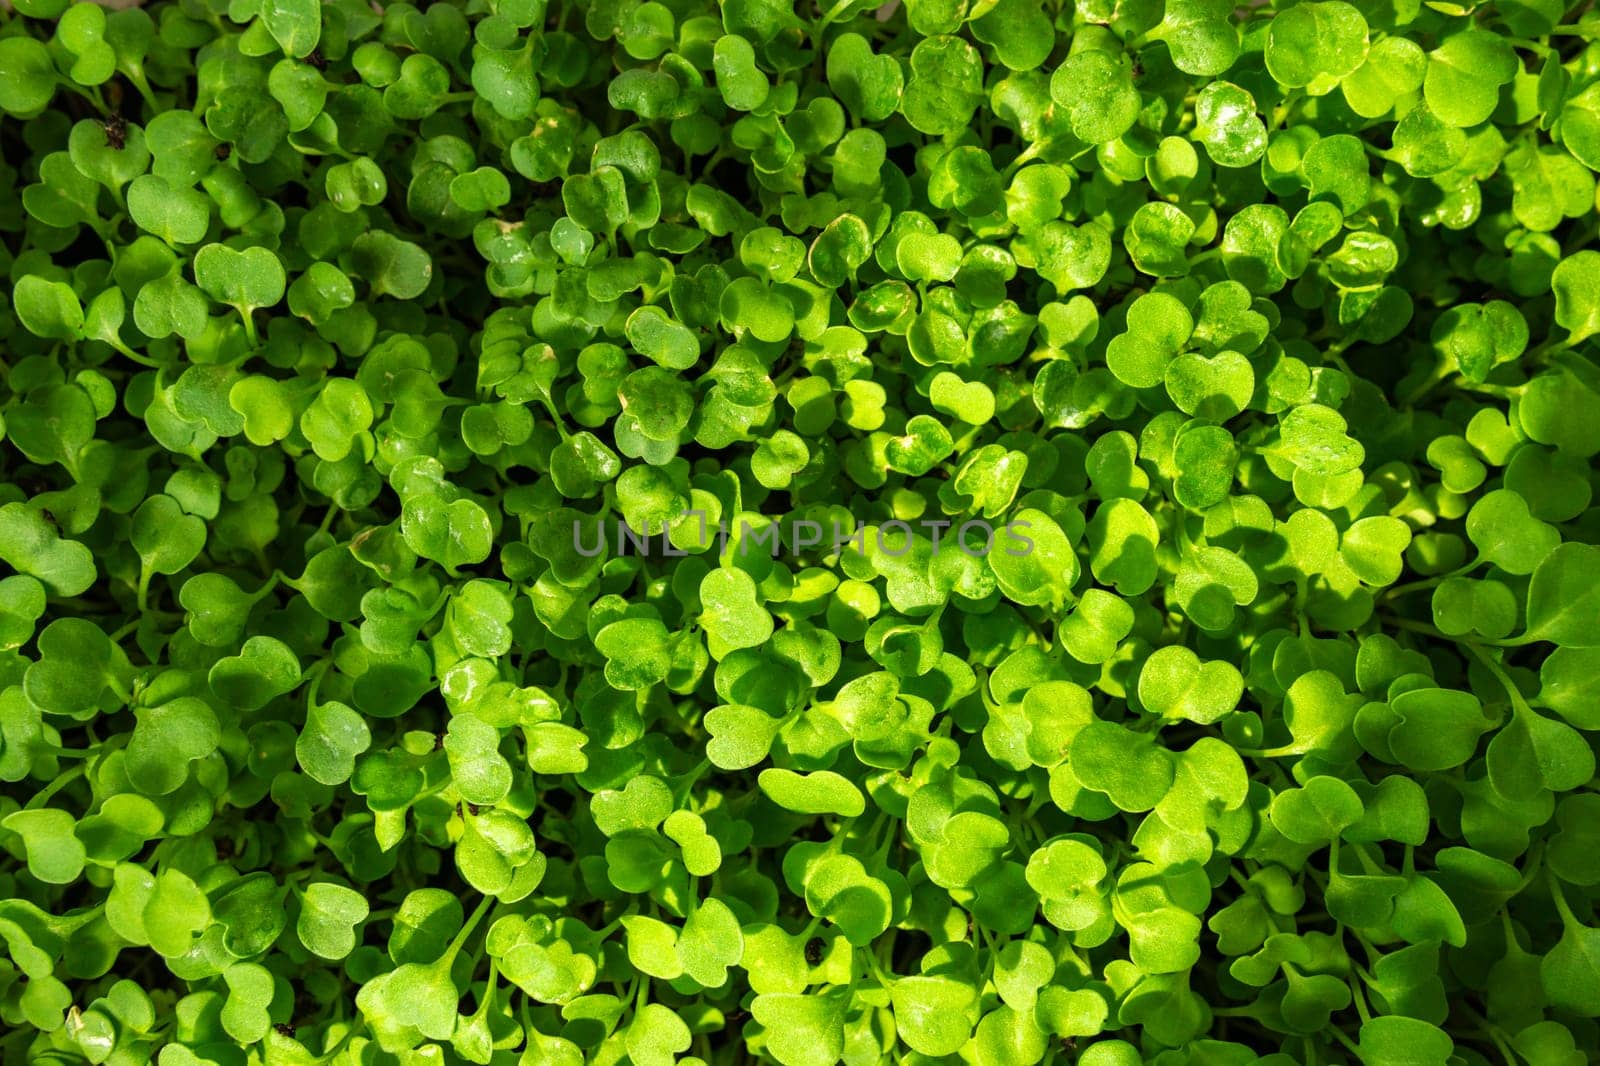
x=1577, y=306
x=1097, y=91
x=1465, y=74
x=1228, y=125
x=27, y=77
x=1175, y=683
x=1316, y=44
x=48, y=309
x=391, y=266
x=1562, y=597
x=803, y=1030
x=176, y=215
x=245, y=281
x=819, y=792
x=945, y=86
x=934, y=1015
x=31, y=544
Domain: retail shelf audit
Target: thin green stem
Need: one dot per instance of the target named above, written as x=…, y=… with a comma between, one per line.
x=129, y=353
x=1026, y=156
x=1559, y=898
x=143, y=598
x=1495, y=1034
x=468, y=926
x=62, y=753
x=1430, y=582
x=135, y=75
x=1234, y=1012
x=334, y=1052
x=327, y=519
x=1359, y=998
x=1431, y=631
x=316, y=673
x=271, y=583
x=45, y=794
x=1349, y=1045
x=876, y=969
x=1537, y=47
x=1519, y=705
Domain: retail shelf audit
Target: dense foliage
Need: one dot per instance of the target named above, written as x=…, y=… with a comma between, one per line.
x=339, y=722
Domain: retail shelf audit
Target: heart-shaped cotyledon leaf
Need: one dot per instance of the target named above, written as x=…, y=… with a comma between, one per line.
x=244, y=280
x=328, y=914
x=32, y=544
x=48, y=308
x=1175, y=683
